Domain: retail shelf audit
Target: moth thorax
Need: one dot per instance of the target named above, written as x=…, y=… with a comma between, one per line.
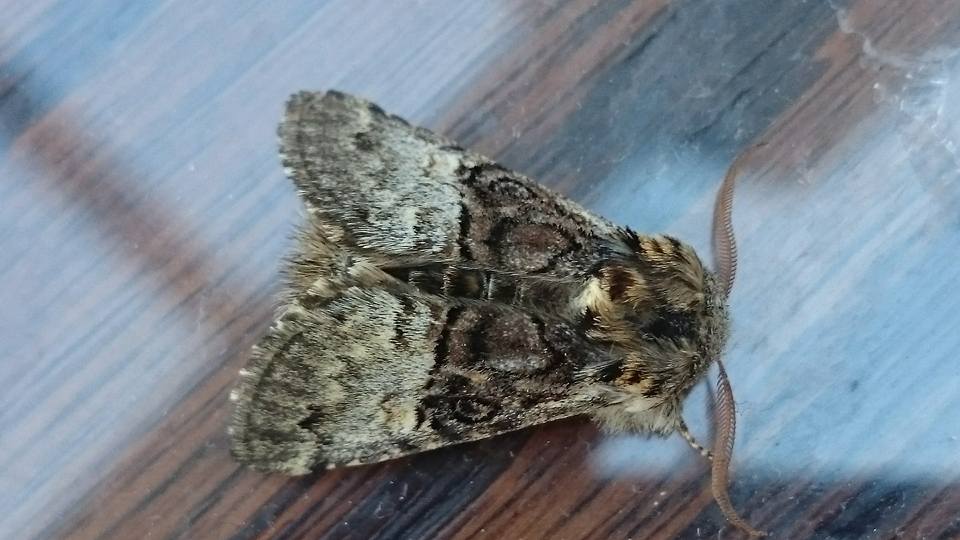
x=673, y=269
x=659, y=303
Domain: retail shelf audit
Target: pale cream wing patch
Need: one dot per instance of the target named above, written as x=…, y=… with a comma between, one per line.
x=390, y=187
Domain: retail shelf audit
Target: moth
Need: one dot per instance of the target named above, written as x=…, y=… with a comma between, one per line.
x=437, y=297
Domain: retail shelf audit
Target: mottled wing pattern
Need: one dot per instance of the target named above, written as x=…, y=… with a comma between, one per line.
x=374, y=372
x=403, y=193
x=427, y=298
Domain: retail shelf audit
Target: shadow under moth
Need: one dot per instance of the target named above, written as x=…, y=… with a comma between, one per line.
x=437, y=297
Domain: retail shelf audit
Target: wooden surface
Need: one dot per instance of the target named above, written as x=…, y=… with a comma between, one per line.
x=144, y=214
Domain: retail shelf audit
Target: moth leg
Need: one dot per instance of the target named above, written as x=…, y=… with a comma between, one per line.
x=692, y=441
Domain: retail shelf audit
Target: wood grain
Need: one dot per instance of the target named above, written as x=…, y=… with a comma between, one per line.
x=144, y=216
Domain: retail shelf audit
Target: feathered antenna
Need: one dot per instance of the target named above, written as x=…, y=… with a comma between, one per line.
x=725, y=260
x=724, y=243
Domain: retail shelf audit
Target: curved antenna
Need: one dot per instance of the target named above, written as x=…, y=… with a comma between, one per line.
x=724, y=243
x=723, y=452
x=725, y=260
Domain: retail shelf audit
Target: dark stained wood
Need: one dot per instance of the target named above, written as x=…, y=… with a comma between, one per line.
x=144, y=215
